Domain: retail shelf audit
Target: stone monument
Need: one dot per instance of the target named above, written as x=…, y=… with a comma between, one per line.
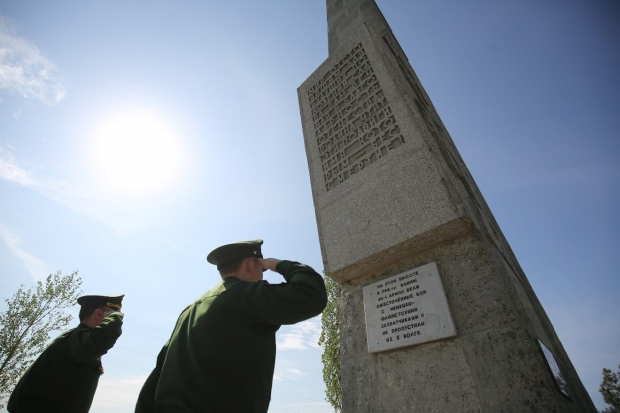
x=437, y=314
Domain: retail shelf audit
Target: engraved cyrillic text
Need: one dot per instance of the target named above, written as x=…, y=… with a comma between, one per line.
x=353, y=122
x=407, y=308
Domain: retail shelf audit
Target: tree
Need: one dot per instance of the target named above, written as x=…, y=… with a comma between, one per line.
x=330, y=341
x=25, y=325
x=610, y=389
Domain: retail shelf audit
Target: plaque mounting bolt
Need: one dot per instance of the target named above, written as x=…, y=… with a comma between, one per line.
x=376, y=342
x=443, y=326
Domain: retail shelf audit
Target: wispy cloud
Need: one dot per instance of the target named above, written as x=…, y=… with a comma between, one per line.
x=288, y=375
x=301, y=336
x=37, y=268
x=296, y=372
x=120, y=214
x=24, y=70
x=124, y=215
x=10, y=171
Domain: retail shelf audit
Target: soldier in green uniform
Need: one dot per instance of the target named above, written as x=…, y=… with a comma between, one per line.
x=221, y=355
x=65, y=376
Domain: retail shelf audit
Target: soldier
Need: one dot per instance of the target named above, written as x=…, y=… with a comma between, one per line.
x=221, y=355
x=65, y=376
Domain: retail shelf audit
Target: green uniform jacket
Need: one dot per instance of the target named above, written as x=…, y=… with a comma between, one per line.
x=221, y=355
x=65, y=376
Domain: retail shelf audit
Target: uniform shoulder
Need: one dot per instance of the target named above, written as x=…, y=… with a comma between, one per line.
x=215, y=291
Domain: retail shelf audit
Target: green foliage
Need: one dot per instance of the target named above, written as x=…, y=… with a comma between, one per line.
x=610, y=389
x=25, y=325
x=330, y=341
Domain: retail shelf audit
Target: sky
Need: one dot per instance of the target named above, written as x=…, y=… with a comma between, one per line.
x=135, y=137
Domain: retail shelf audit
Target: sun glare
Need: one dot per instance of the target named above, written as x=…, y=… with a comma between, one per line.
x=136, y=152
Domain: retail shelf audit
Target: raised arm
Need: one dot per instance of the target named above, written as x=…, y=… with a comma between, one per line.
x=302, y=296
x=86, y=346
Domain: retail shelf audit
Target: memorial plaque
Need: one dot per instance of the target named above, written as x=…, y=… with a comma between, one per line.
x=406, y=309
x=555, y=369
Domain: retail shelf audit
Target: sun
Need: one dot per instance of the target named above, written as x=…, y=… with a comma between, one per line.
x=136, y=152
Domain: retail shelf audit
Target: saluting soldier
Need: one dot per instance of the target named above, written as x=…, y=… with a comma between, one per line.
x=221, y=355
x=64, y=377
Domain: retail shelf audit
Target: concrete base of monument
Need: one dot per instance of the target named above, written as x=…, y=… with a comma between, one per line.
x=493, y=364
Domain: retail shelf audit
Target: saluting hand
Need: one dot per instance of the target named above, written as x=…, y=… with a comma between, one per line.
x=270, y=263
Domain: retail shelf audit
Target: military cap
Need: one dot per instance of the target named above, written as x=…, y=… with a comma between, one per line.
x=112, y=301
x=228, y=253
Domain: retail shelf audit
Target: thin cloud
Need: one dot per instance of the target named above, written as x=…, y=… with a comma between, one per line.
x=301, y=336
x=296, y=372
x=118, y=213
x=10, y=171
x=24, y=70
x=121, y=214
x=37, y=268
x=288, y=375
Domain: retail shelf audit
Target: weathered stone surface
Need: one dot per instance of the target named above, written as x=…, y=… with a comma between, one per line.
x=510, y=373
x=391, y=193
x=498, y=366
x=362, y=386
x=438, y=381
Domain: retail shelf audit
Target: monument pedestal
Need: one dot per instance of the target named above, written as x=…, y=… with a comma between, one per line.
x=392, y=196
x=493, y=364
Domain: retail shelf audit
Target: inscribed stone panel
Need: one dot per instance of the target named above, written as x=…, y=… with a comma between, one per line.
x=353, y=122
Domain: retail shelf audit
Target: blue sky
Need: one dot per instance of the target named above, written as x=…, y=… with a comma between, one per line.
x=202, y=96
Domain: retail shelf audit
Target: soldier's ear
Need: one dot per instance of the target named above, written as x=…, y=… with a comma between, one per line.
x=248, y=265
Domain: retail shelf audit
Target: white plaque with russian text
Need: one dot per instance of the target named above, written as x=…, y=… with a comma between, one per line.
x=406, y=309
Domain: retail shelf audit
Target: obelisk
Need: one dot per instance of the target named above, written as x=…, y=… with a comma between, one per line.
x=437, y=314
